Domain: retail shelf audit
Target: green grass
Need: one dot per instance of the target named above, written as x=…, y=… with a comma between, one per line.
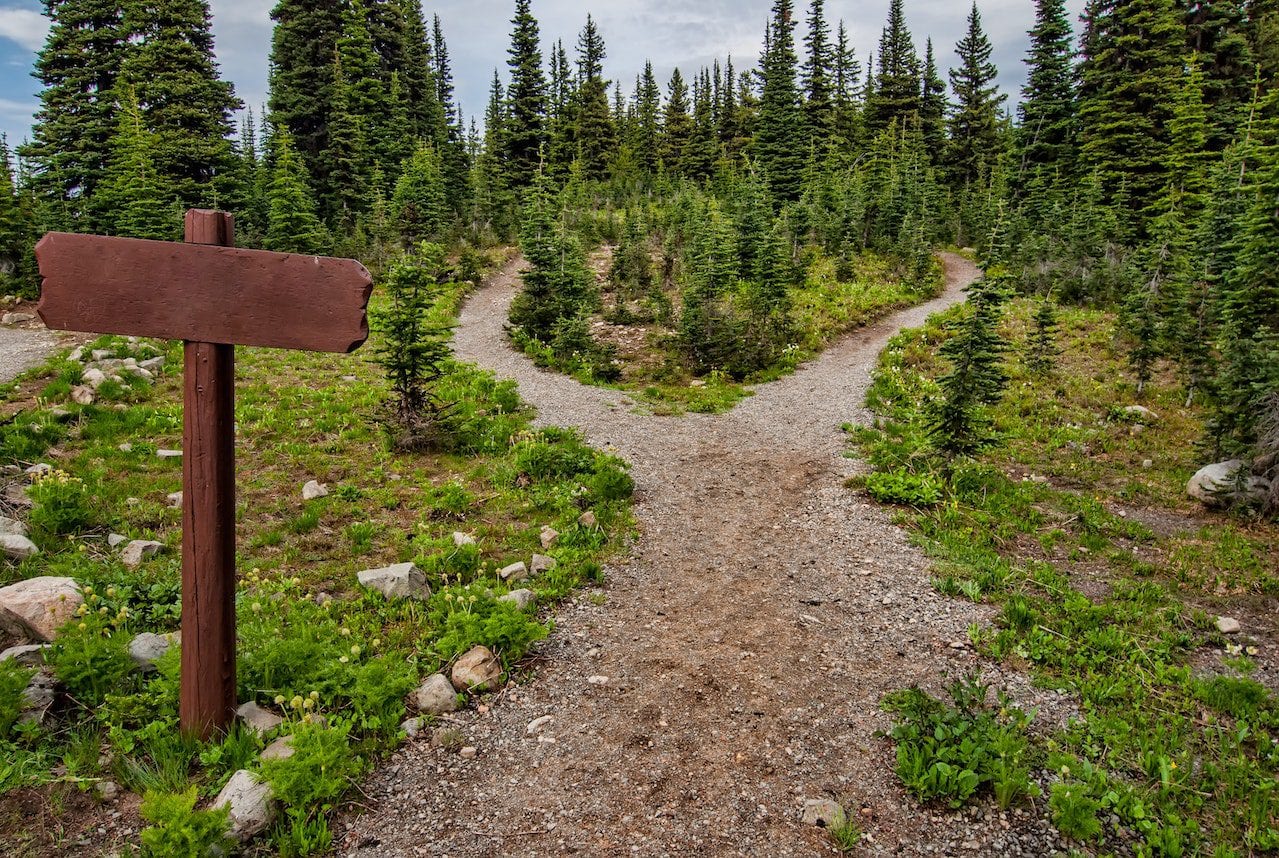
x=825, y=306
x=1107, y=581
x=300, y=416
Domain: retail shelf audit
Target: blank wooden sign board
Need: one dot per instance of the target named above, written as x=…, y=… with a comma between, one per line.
x=214, y=297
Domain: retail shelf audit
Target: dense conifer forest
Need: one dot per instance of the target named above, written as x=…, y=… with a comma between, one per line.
x=1138, y=170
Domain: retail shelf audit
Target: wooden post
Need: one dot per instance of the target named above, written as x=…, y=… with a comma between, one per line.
x=208, y=694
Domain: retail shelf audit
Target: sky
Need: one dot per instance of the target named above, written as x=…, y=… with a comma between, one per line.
x=684, y=33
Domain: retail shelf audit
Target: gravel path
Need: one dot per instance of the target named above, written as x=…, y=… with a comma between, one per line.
x=21, y=349
x=746, y=641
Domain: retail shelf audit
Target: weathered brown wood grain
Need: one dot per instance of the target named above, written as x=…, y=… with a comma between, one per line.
x=202, y=293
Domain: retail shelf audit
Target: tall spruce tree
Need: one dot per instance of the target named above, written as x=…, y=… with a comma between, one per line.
x=300, y=75
x=1217, y=33
x=933, y=107
x=847, y=88
x=780, y=121
x=17, y=233
x=525, y=130
x=646, y=129
x=819, y=104
x=975, y=140
x=1129, y=76
x=677, y=126
x=294, y=226
x=417, y=76
x=78, y=69
x=1046, y=127
x=183, y=101
x=136, y=199
x=595, y=134
x=896, y=94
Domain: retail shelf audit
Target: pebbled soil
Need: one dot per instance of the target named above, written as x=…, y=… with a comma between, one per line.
x=747, y=640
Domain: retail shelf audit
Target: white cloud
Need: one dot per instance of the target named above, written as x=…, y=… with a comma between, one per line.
x=24, y=26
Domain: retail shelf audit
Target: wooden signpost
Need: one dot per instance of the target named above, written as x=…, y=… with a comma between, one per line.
x=214, y=297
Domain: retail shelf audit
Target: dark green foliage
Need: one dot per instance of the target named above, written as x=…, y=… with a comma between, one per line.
x=13, y=681
x=17, y=233
x=1046, y=131
x=556, y=283
x=976, y=378
x=596, y=137
x=948, y=752
x=178, y=830
x=780, y=123
x=904, y=488
x=414, y=351
x=1041, y=345
x=419, y=205
x=677, y=126
x=895, y=97
x=524, y=129
x=135, y=197
x=818, y=79
x=975, y=140
x=293, y=225
x=301, y=82
x=91, y=659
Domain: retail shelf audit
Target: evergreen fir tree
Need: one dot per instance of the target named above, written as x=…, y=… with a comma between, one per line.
x=136, y=200
x=184, y=102
x=1217, y=33
x=557, y=285
x=677, y=126
x=960, y=424
x=525, y=123
x=1046, y=127
x=1041, y=345
x=847, y=86
x=703, y=148
x=417, y=76
x=780, y=121
x=974, y=122
x=933, y=107
x=78, y=69
x=348, y=159
x=17, y=234
x=419, y=205
x=646, y=130
x=1129, y=79
x=819, y=105
x=896, y=92
x=294, y=226
x=300, y=75
x=595, y=134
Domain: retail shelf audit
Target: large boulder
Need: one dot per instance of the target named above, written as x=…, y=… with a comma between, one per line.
x=1226, y=484
x=401, y=581
x=147, y=648
x=38, y=607
x=17, y=547
x=252, y=804
x=477, y=670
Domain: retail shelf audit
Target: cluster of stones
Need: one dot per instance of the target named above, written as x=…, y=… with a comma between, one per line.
x=102, y=364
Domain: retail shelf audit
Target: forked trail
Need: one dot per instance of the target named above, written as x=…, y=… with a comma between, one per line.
x=747, y=640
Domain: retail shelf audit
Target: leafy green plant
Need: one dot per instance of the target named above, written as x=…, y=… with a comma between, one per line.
x=322, y=766
x=61, y=503
x=13, y=681
x=178, y=830
x=1074, y=811
x=468, y=617
x=91, y=659
x=949, y=752
x=904, y=488
x=846, y=836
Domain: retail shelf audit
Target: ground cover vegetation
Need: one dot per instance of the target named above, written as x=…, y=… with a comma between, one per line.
x=335, y=660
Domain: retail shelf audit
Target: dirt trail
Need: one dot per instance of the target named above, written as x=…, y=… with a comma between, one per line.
x=747, y=641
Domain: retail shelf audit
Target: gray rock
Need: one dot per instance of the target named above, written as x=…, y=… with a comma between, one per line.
x=126, y=447
x=460, y=539
x=16, y=318
x=17, y=547
x=27, y=655
x=541, y=563
x=436, y=695
x=253, y=806
x=12, y=527
x=401, y=581
x=115, y=540
x=1228, y=625
x=549, y=536
x=1225, y=484
x=154, y=364
x=1140, y=413
x=169, y=454
x=101, y=354
x=147, y=648
x=1147, y=463
x=93, y=377
x=82, y=395
x=16, y=495
x=515, y=572
x=39, y=468
x=77, y=353
x=37, y=607
x=256, y=718
x=522, y=599
x=314, y=489
x=138, y=550
x=175, y=500
x=470, y=752
x=587, y=519
x=824, y=813
x=477, y=670
x=38, y=697
x=412, y=727
x=280, y=749
x=107, y=790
